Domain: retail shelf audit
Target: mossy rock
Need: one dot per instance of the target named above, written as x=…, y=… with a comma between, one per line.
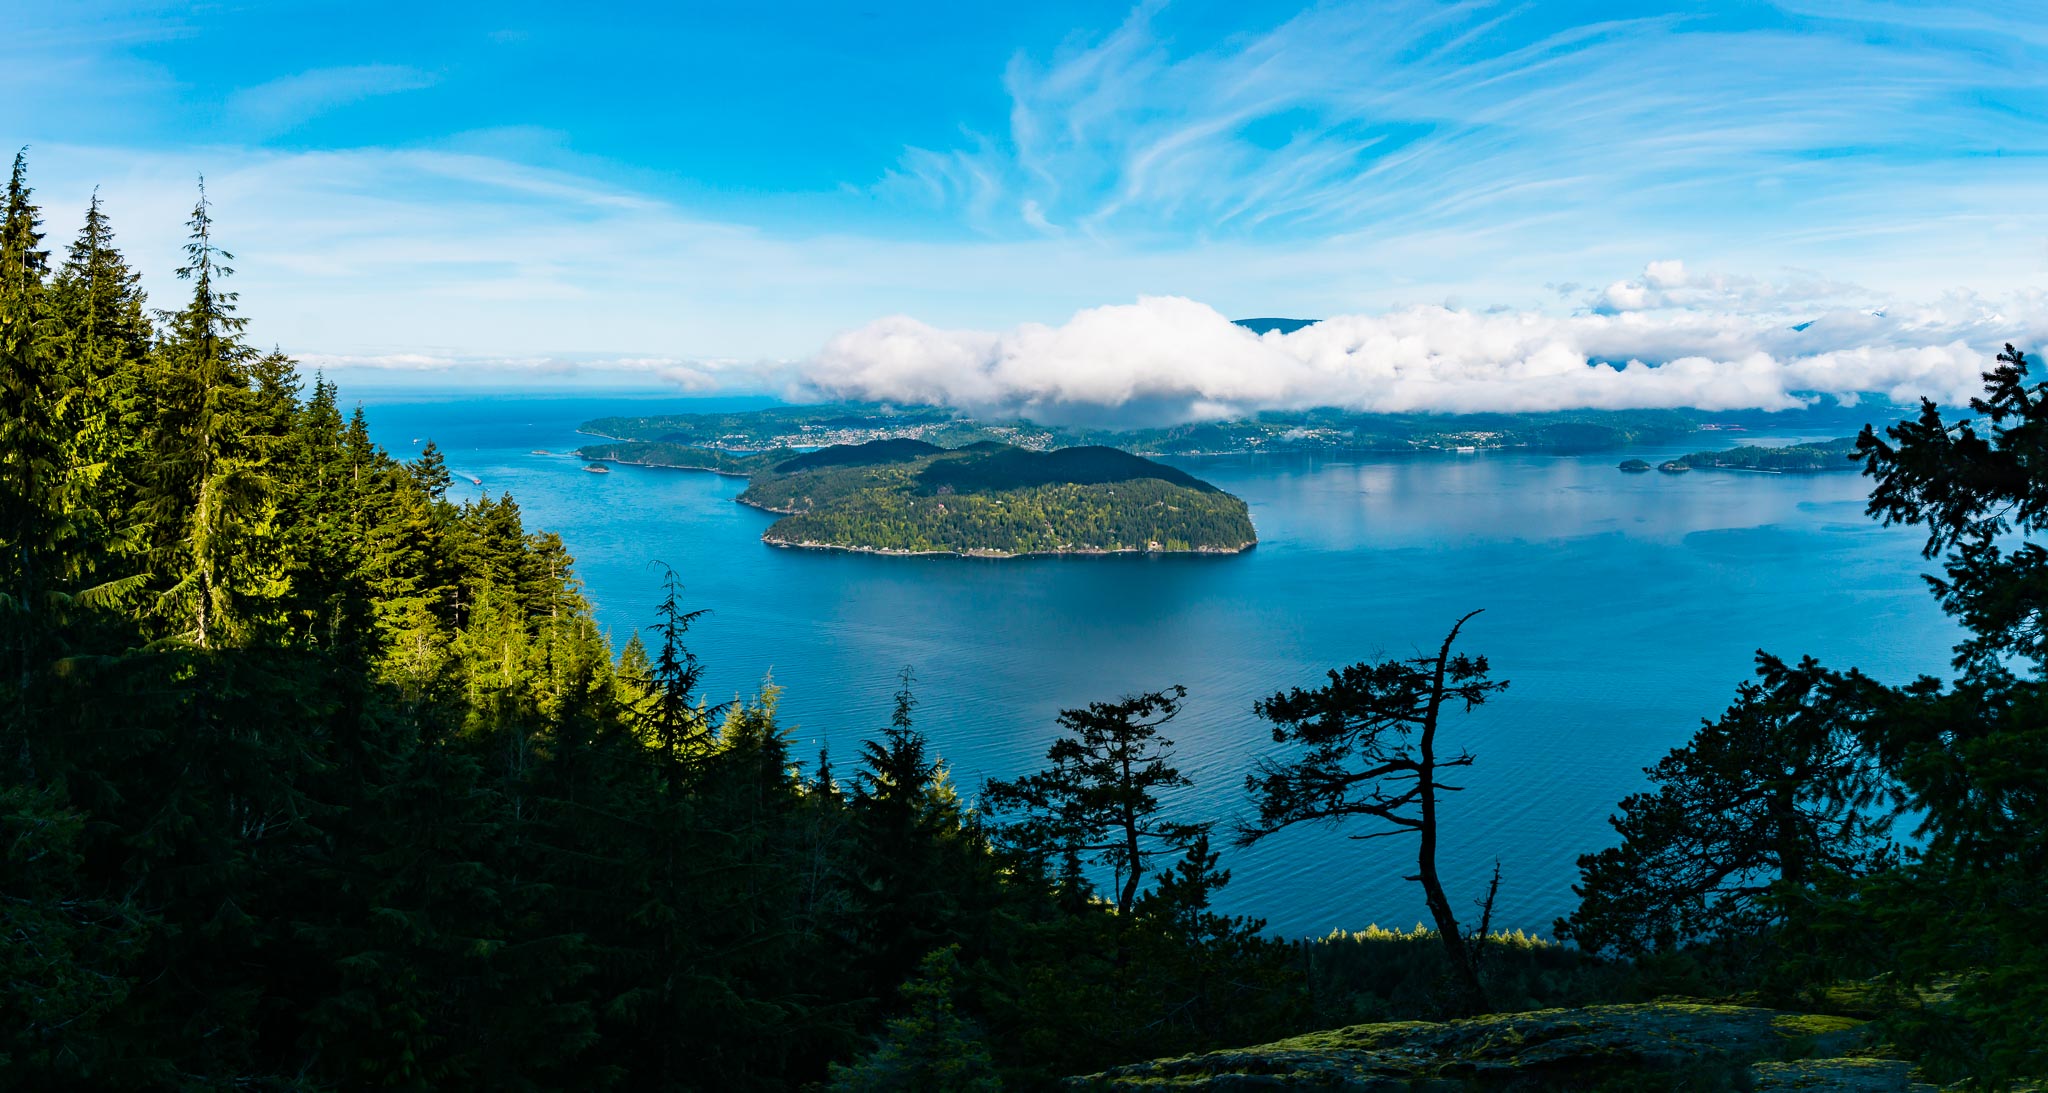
x=1842, y=1075
x=1656, y=1046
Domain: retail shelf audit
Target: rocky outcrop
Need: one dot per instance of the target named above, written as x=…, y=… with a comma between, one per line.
x=1655, y=1046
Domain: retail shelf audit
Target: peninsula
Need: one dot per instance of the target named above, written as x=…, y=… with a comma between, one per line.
x=986, y=499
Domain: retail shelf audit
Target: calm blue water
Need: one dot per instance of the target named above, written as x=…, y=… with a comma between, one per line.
x=1623, y=608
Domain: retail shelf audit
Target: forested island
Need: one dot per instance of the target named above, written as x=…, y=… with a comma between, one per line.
x=313, y=779
x=985, y=499
x=1833, y=455
x=1322, y=430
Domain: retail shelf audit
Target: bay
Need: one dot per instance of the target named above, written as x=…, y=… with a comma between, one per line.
x=1622, y=608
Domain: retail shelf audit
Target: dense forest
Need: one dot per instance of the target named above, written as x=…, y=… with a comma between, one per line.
x=313, y=779
x=907, y=495
x=904, y=495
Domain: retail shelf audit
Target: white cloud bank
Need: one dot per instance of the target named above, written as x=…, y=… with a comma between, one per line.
x=1668, y=339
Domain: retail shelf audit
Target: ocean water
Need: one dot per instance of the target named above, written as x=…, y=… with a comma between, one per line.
x=1622, y=608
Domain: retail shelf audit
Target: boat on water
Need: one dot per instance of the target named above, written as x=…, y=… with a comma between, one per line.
x=542, y=451
x=598, y=468
x=474, y=480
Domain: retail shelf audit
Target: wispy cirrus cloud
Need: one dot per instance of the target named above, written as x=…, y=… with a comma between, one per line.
x=279, y=105
x=1389, y=119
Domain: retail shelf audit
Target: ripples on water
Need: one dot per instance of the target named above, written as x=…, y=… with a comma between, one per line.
x=1623, y=608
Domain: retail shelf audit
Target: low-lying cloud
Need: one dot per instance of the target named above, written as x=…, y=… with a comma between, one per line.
x=1667, y=339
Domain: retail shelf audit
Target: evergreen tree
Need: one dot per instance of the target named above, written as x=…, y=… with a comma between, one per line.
x=675, y=721
x=1100, y=797
x=67, y=954
x=1968, y=908
x=33, y=523
x=211, y=492
x=1751, y=810
x=431, y=472
x=931, y=1048
x=105, y=337
x=1369, y=740
x=360, y=797
x=1974, y=484
x=918, y=869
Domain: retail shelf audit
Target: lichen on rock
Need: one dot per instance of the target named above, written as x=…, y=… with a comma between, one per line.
x=1663, y=1045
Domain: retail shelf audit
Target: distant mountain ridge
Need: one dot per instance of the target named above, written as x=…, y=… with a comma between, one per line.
x=1269, y=325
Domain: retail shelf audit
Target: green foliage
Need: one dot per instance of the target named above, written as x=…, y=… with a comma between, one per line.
x=1366, y=748
x=313, y=779
x=1377, y=974
x=1763, y=843
x=65, y=955
x=930, y=1048
x=1099, y=800
x=1778, y=790
x=997, y=500
x=994, y=468
x=872, y=453
x=1833, y=455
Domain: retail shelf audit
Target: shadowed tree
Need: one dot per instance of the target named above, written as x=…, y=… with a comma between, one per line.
x=1974, y=485
x=917, y=864
x=931, y=1047
x=32, y=521
x=1369, y=750
x=1100, y=797
x=1759, y=802
x=1973, y=757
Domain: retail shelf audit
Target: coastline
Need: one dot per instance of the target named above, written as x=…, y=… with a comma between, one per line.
x=792, y=544
x=662, y=466
x=789, y=544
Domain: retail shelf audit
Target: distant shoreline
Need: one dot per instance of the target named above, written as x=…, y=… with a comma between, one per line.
x=665, y=466
x=789, y=544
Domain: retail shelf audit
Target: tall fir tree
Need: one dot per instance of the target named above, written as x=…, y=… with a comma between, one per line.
x=106, y=339
x=34, y=526
x=210, y=485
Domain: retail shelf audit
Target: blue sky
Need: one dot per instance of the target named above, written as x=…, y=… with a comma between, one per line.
x=728, y=195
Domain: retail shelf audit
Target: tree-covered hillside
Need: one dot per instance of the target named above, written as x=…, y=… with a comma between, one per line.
x=312, y=779
x=908, y=496
x=1831, y=455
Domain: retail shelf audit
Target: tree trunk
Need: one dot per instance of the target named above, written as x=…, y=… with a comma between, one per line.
x=1463, y=970
x=1129, y=895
